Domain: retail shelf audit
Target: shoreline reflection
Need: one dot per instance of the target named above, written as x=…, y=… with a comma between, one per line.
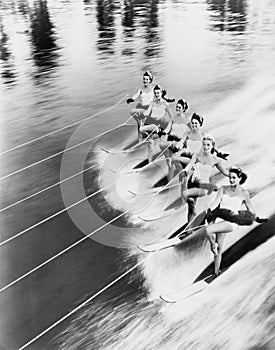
x=230, y=16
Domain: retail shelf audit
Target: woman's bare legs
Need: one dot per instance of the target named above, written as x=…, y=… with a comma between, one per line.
x=168, y=158
x=164, y=146
x=148, y=130
x=190, y=196
x=191, y=192
x=218, y=258
x=150, y=150
x=137, y=114
x=216, y=233
x=178, y=164
x=178, y=160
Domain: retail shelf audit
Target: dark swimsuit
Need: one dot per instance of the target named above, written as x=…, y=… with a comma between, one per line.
x=173, y=138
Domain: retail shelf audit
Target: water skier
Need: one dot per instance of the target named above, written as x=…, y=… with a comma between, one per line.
x=226, y=207
x=197, y=182
x=156, y=117
x=176, y=129
x=144, y=95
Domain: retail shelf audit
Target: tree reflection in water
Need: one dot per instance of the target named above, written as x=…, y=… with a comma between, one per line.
x=139, y=19
x=228, y=15
x=44, y=47
x=8, y=71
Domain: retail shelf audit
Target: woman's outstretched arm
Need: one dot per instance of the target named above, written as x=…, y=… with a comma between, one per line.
x=222, y=169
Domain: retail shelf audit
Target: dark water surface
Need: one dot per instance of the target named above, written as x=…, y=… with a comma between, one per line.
x=63, y=61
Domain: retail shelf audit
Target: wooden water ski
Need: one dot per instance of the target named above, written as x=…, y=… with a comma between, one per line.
x=190, y=290
x=161, y=215
x=123, y=151
x=154, y=190
x=160, y=245
x=181, y=233
x=184, y=292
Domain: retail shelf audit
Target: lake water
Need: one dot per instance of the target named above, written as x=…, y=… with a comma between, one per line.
x=65, y=61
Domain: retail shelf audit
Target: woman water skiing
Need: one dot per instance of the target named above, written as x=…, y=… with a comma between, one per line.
x=145, y=96
x=230, y=199
x=156, y=117
x=191, y=143
x=176, y=130
x=198, y=172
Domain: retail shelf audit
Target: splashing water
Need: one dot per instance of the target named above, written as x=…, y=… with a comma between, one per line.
x=237, y=310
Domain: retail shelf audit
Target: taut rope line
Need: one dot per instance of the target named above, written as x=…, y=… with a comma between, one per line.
x=88, y=300
x=83, y=304
x=61, y=253
x=63, y=128
x=46, y=189
x=58, y=153
x=162, y=152
x=74, y=244
x=52, y=216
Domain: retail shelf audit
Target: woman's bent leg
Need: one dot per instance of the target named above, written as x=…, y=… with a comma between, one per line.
x=218, y=258
x=211, y=232
x=193, y=193
x=181, y=160
x=137, y=114
x=191, y=202
x=150, y=150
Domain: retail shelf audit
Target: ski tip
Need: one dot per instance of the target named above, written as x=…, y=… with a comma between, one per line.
x=123, y=172
x=156, y=218
x=143, y=248
x=147, y=219
x=169, y=186
x=185, y=292
x=139, y=193
x=133, y=193
x=133, y=171
x=151, y=219
x=112, y=170
x=167, y=300
x=143, y=219
x=113, y=152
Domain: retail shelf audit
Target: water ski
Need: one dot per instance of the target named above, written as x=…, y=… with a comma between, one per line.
x=190, y=290
x=114, y=152
x=161, y=215
x=148, y=248
x=175, y=238
x=156, y=190
x=184, y=293
x=123, y=151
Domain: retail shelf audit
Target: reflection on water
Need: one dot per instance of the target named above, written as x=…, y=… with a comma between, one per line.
x=7, y=65
x=106, y=30
x=39, y=27
x=23, y=7
x=136, y=15
x=44, y=48
x=152, y=32
x=128, y=18
x=228, y=15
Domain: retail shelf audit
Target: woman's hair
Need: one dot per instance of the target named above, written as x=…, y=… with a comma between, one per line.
x=210, y=138
x=198, y=118
x=214, y=150
x=239, y=172
x=157, y=87
x=148, y=74
x=183, y=103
